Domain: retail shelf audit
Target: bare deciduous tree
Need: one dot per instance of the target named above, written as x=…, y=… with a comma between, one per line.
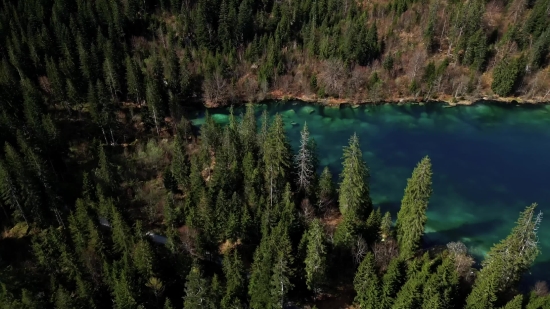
x=384, y=252
x=215, y=88
x=416, y=62
x=463, y=261
x=359, y=250
x=541, y=288
x=332, y=76
x=307, y=210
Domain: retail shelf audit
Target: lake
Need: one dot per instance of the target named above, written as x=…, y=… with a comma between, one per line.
x=489, y=161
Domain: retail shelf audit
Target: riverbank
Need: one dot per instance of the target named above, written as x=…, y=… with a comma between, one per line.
x=449, y=100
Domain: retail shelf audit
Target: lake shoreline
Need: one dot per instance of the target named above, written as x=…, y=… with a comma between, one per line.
x=336, y=102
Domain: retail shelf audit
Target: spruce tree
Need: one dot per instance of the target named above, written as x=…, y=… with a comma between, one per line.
x=507, y=261
x=515, y=303
x=306, y=162
x=367, y=284
x=316, y=257
x=197, y=288
x=260, y=276
x=411, y=218
x=325, y=191
x=391, y=283
x=235, y=287
x=180, y=162
x=282, y=266
x=248, y=131
x=277, y=159
x=354, y=196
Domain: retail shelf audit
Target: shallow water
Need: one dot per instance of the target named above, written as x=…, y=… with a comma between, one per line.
x=489, y=162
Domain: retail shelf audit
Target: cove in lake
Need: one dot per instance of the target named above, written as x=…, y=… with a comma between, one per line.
x=489, y=161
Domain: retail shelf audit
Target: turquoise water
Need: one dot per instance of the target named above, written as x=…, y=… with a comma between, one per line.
x=489, y=161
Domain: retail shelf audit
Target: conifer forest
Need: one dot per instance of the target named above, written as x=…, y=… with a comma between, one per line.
x=112, y=198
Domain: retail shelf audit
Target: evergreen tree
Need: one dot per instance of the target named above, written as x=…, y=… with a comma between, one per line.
x=411, y=218
x=354, y=199
x=507, y=261
x=306, y=162
x=197, y=294
x=391, y=283
x=180, y=162
x=277, y=160
x=515, y=303
x=316, y=259
x=367, y=284
x=282, y=266
x=260, y=276
x=326, y=191
x=235, y=290
x=134, y=81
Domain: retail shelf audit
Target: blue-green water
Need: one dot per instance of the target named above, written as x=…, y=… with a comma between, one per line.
x=489, y=161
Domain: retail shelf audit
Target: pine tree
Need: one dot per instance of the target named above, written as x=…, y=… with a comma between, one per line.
x=440, y=289
x=386, y=226
x=306, y=162
x=9, y=192
x=391, y=283
x=507, y=261
x=260, y=276
x=326, y=191
x=373, y=226
x=515, y=303
x=277, y=160
x=197, y=290
x=180, y=162
x=411, y=218
x=367, y=284
x=248, y=131
x=354, y=196
x=316, y=259
x=282, y=266
x=235, y=287
x=134, y=81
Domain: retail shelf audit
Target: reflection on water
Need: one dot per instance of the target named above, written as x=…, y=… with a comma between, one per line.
x=489, y=161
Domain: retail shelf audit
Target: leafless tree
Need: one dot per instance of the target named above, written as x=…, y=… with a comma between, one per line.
x=541, y=288
x=516, y=9
x=417, y=62
x=332, y=76
x=459, y=85
x=188, y=238
x=307, y=210
x=384, y=252
x=215, y=88
x=463, y=261
x=359, y=250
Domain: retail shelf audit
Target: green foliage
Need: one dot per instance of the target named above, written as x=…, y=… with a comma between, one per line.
x=391, y=283
x=411, y=217
x=507, y=75
x=515, y=303
x=235, y=287
x=354, y=197
x=506, y=261
x=316, y=259
x=367, y=284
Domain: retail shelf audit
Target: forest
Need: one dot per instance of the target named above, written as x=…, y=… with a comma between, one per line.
x=99, y=158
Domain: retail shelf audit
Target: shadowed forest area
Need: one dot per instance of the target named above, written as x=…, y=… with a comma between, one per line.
x=97, y=153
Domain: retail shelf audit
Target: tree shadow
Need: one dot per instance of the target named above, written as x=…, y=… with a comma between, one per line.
x=391, y=206
x=538, y=272
x=470, y=231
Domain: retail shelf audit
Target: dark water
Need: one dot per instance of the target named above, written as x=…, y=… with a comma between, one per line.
x=489, y=162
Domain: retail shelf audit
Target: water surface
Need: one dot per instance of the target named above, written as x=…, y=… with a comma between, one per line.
x=489, y=161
